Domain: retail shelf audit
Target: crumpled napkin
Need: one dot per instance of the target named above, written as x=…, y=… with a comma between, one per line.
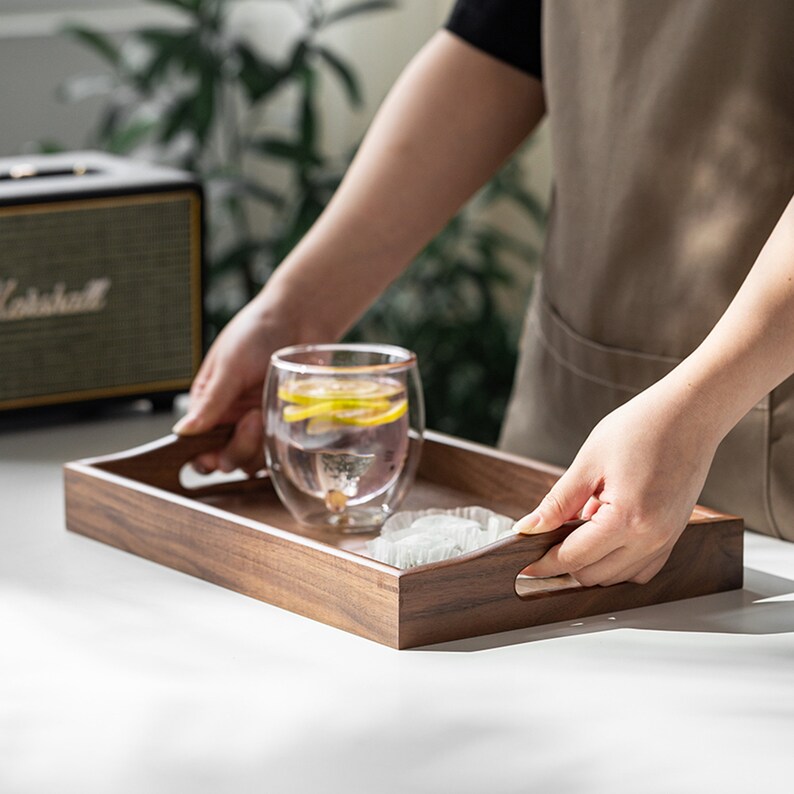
x=412, y=538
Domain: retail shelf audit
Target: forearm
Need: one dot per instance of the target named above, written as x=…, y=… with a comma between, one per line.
x=751, y=349
x=450, y=121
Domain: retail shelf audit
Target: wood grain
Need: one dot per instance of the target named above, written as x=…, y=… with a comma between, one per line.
x=239, y=536
x=286, y=570
x=476, y=595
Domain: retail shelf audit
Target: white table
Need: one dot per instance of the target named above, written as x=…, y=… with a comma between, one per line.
x=118, y=675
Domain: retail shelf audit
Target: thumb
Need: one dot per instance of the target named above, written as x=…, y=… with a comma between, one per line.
x=208, y=403
x=566, y=498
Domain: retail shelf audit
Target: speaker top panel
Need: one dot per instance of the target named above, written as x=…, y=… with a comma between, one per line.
x=48, y=177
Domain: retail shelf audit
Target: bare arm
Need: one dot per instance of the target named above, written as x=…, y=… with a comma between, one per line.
x=751, y=349
x=640, y=472
x=449, y=122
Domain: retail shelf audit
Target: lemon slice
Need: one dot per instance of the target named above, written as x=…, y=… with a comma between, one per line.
x=328, y=408
x=366, y=417
x=358, y=417
x=308, y=391
x=297, y=413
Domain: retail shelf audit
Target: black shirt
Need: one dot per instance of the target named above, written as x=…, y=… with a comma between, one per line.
x=507, y=29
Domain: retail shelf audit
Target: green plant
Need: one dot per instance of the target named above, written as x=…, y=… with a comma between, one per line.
x=196, y=95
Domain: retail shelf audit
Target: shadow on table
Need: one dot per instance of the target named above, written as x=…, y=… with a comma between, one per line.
x=760, y=607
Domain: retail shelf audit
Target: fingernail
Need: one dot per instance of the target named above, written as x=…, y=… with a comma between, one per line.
x=181, y=424
x=531, y=524
x=186, y=425
x=200, y=468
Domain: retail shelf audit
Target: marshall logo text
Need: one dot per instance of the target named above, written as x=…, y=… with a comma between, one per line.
x=58, y=302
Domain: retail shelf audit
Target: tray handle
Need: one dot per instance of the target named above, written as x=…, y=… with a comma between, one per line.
x=160, y=462
x=476, y=594
x=497, y=565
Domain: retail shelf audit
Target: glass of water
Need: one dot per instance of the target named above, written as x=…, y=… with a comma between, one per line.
x=344, y=428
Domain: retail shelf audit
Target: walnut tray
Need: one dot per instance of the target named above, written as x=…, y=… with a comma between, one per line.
x=239, y=536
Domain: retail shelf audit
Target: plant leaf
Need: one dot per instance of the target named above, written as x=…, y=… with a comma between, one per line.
x=308, y=115
x=528, y=202
x=284, y=149
x=185, y=49
x=125, y=139
x=298, y=58
x=50, y=146
x=166, y=40
x=203, y=109
x=259, y=77
x=233, y=185
x=345, y=75
x=101, y=44
x=278, y=147
x=358, y=8
x=238, y=256
x=177, y=119
x=262, y=193
x=108, y=124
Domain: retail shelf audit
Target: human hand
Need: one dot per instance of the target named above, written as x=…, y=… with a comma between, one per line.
x=635, y=481
x=228, y=390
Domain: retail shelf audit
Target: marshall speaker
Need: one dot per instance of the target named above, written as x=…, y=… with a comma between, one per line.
x=100, y=279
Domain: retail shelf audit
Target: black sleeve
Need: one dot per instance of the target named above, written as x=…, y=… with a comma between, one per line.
x=507, y=29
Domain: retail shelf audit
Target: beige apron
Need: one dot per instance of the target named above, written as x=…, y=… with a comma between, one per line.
x=673, y=152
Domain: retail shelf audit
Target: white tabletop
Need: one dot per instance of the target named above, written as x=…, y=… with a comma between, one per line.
x=118, y=675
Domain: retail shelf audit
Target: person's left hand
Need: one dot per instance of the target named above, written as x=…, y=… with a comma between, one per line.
x=635, y=481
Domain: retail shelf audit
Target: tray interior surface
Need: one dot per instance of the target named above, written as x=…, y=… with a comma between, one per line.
x=263, y=506
x=449, y=476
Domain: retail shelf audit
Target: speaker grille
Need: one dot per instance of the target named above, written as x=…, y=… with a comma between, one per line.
x=99, y=297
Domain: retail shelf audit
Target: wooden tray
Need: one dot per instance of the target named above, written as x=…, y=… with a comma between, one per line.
x=238, y=535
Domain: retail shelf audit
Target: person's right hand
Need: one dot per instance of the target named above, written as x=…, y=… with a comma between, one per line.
x=228, y=390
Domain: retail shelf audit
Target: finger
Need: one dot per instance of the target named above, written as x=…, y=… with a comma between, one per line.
x=648, y=547
x=649, y=571
x=638, y=571
x=584, y=547
x=624, y=565
x=206, y=463
x=548, y=565
x=619, y=566
x=568, y=496
x=244, y=449
x=210, y=399
x=591, y=508
x=245, y=453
